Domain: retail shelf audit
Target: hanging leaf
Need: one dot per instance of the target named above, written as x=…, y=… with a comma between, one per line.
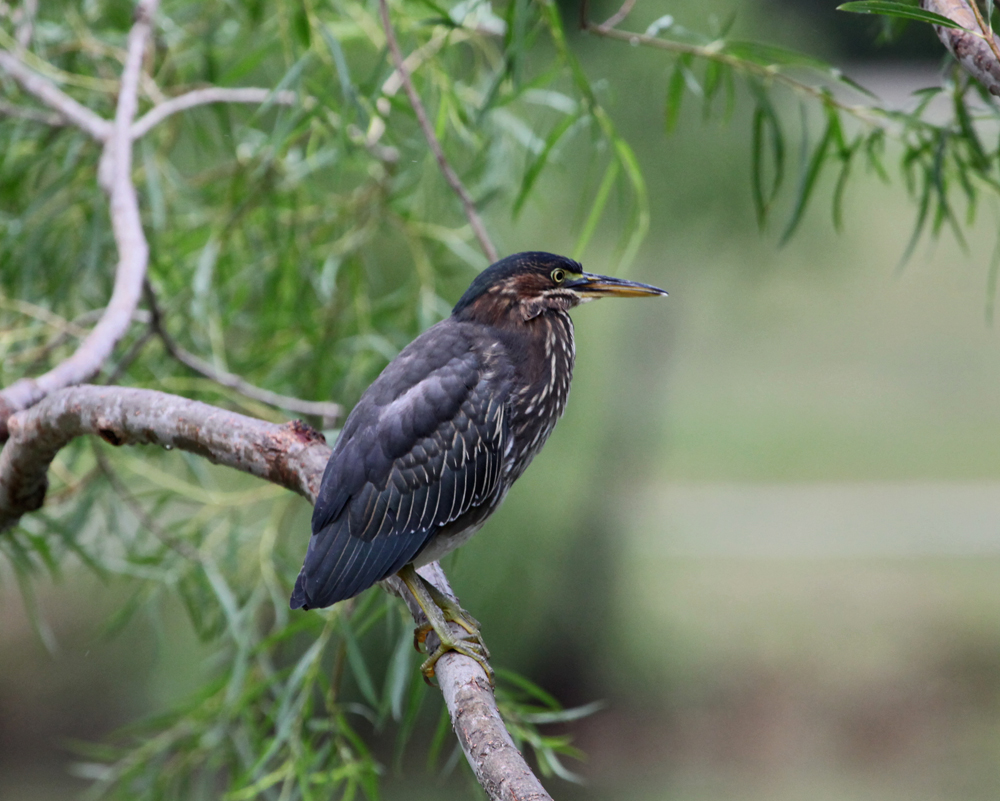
x=810, y=172
x=538, y=164
x=765, y=129
x=675, y=94
x=899, y=10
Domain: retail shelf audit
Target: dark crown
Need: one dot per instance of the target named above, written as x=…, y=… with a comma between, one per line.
x=530, y=262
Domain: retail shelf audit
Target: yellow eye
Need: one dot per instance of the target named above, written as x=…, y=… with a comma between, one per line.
x=558, y=275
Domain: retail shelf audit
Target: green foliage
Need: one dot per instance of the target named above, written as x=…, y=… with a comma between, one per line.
x=524, y=706
x=943, y=163
x=899, y=11
x=301, y=246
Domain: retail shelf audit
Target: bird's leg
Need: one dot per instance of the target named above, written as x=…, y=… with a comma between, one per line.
x=440, y=609
x=452, y=611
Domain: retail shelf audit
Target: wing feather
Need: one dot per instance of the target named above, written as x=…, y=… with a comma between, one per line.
x=423, y=446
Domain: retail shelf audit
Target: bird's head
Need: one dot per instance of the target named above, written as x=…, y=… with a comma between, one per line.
x=527, y=285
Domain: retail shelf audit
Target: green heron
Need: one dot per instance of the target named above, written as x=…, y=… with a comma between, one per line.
x=430, y=450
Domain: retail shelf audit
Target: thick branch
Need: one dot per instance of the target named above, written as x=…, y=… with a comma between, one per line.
x=475, y=221
x=291, y=455
x=201, y=97
x=133, y=250
x=976, y=54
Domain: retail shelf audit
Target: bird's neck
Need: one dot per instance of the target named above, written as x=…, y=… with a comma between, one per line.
x=547, y=369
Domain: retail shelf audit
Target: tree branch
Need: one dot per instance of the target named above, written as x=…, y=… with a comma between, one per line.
x=292, y=456
x=475, y=221
x=25, y=22
x=869, y=116
x=69, y=111
x=201, y=97
x=51, y=118
x=330, y=412
x=55, y=98
x=499, y=767
x=977, y=55
x=115, y=174
x=618, y=16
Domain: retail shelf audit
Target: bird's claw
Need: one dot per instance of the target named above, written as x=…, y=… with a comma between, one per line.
x=440, y=610
x=420, y=635
x=472, y=647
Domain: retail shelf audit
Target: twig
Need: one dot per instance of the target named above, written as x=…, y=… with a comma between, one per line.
x=201, y=97
x=292, y=456
x=185, y=549
x=986, y=29
x=618, y=16
x=977, y=55
x=116, y=162
x=330, y=412
x=418, y=109
x=51, y=118
x=115, y=175
x=55, y=98
x=130, y=356
x=67, y=110
x=766, y=72
x=26, y=22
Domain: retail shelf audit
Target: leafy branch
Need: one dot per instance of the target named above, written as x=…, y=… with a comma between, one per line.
x=940, y=162
x=263, y=239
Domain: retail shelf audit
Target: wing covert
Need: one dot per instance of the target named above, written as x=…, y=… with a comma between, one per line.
x=381, y=502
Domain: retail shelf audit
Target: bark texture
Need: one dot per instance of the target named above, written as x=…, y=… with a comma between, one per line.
x=499, y=767
x=291, y=455
x=972, y=51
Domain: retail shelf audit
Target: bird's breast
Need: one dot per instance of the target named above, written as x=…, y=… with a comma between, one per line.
x=541, y=399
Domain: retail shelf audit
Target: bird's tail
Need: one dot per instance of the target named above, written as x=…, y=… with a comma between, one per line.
x=299, y=598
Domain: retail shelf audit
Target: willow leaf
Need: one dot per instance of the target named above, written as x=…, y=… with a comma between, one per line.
x=538, y=164
x=898, y=10
x=810, y=172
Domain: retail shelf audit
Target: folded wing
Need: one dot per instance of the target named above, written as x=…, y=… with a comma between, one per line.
x=410, y=460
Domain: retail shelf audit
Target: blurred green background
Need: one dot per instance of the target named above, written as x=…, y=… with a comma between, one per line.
x=766, y=533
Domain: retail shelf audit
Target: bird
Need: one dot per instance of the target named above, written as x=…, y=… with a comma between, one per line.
x=436, y=441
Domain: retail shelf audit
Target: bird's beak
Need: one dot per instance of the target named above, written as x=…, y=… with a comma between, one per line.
x=589, y=285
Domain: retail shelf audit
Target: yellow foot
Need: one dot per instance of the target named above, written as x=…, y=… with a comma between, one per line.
x=441, y=610
x=420, y=635
x=474, y=648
